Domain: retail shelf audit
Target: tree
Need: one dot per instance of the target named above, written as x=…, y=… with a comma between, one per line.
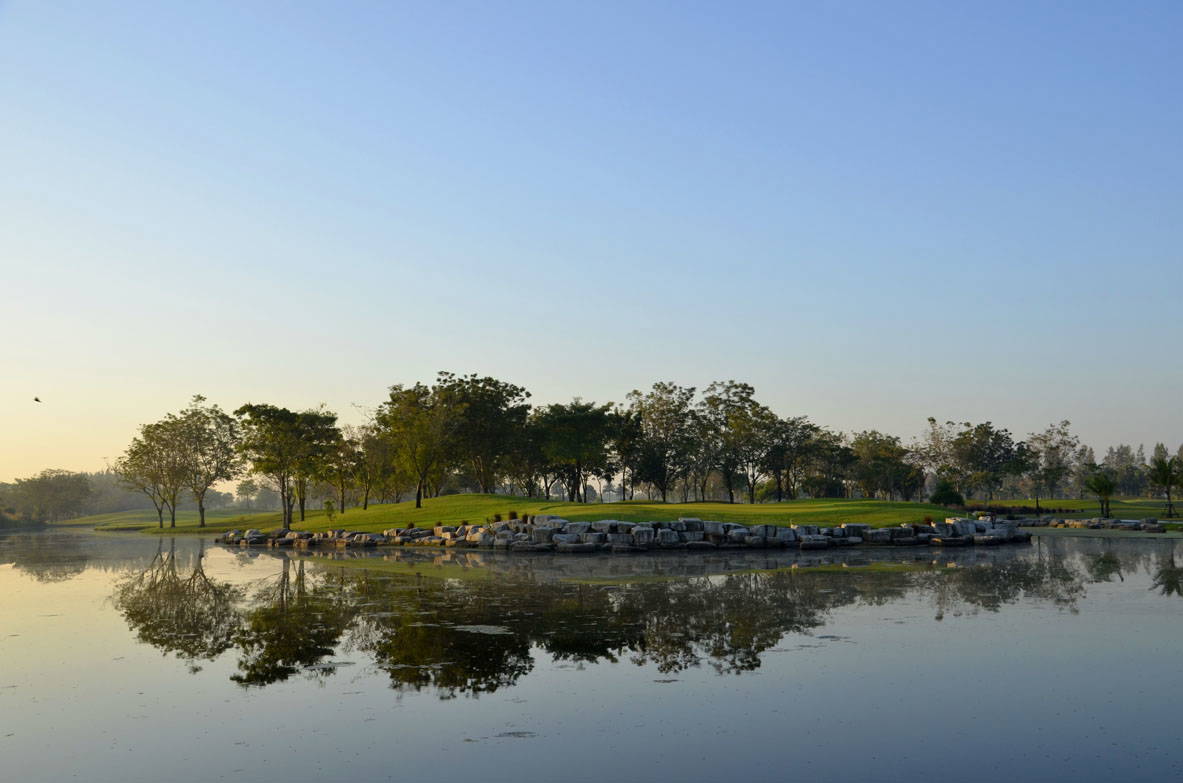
x=343, y=463
x=984, y=455
x=881, y=468
x=1166, y=473
x=318, y=435
x=788, y=453
x=421, y=422
x=155, y=464
x=52, y=495
x=574, y=438
x=209, y=449
x=664, y=421
x=740, y=429
x=1103, y=486
x=272, y=443
x=489, y=413
x=945, y=494
x=1049, y=455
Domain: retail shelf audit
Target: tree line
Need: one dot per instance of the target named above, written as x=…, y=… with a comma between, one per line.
x=471, y=433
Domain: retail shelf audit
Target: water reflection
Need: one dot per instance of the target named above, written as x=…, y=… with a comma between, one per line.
x=178, y=609
x=467, y=636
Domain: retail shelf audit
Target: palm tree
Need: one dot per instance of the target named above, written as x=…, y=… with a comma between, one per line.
x=1101, y=485
x=1166, y=473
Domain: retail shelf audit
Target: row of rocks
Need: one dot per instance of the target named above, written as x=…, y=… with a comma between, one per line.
x=1149, y=525
x=545, y=533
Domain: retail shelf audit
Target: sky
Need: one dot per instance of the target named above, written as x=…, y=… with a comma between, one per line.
x=872, y=212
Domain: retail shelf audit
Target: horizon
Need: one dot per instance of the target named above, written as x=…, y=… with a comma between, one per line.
x=873, y=215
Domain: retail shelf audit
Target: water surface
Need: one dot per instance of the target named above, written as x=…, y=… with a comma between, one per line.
x=129, y=658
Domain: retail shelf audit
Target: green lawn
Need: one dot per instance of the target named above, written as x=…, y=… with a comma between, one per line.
x=477, y=508
x=1129, y=508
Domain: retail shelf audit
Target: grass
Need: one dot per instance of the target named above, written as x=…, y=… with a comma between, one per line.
x=1129, y=508
x=453, y=509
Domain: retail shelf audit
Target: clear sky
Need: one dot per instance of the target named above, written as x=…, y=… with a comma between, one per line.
x=873, y=212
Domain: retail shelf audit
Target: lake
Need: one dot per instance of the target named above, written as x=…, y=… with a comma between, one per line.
x=136, y=658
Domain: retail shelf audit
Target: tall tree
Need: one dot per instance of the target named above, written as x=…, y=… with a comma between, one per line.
x=575, y=438
x=209, y=449
x=788, y=453
x=272, y=443
x=664, y=417
x=318, y=436
x=421, y=423
x=1050, y=455
x=1165, y=474
x=156, y=464
x=1103, y=486
x=489, y=413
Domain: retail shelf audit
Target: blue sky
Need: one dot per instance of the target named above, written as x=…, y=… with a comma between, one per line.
x=874, y=212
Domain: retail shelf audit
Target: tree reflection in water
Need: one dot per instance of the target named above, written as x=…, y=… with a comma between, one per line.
x=191, y=616
x=291, y=626
x=1168, y=578
x=473, y=636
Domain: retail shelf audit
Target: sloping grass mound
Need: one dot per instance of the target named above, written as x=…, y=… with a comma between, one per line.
x=454, y=509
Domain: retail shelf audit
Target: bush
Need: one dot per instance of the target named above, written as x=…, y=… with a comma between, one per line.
x=945, y=494
x=497, y=517
x=513, y=515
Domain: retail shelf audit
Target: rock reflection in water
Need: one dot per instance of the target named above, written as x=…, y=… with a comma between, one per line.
x=467, y=636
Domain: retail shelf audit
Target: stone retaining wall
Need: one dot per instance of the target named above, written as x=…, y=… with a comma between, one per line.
x=544, y=533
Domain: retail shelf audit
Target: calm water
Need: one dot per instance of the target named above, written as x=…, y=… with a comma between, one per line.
x=128, y=658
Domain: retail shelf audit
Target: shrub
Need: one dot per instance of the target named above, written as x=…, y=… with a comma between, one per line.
x=497, y=517
x=944, y=494
x=513, y=515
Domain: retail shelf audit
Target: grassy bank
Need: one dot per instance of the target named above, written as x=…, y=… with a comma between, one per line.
x=1128, y=508
x=477, y=508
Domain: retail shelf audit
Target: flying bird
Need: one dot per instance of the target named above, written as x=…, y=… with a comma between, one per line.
x=36, y=399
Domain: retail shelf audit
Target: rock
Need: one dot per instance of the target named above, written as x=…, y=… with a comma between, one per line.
x=604, y=526
x=565, y=538
x=737, y=536
x=577, y=527
x=855, y=528
x=643, y=536
x=667, y=537
x=712, y=528
x=877, y=536
x=805, y=530
x=691, y=524
x=543, y=535
x=593, y=537
x=786, y=535
x=691, y=536
x=622, y=539
x=813, y=542
x=965, y=527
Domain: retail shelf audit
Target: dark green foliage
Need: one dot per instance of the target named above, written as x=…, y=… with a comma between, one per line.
x=945, y=494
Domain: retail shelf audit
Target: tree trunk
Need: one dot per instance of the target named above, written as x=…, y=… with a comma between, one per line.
x=341, y=494
x=419, y=494
x=201, y=511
